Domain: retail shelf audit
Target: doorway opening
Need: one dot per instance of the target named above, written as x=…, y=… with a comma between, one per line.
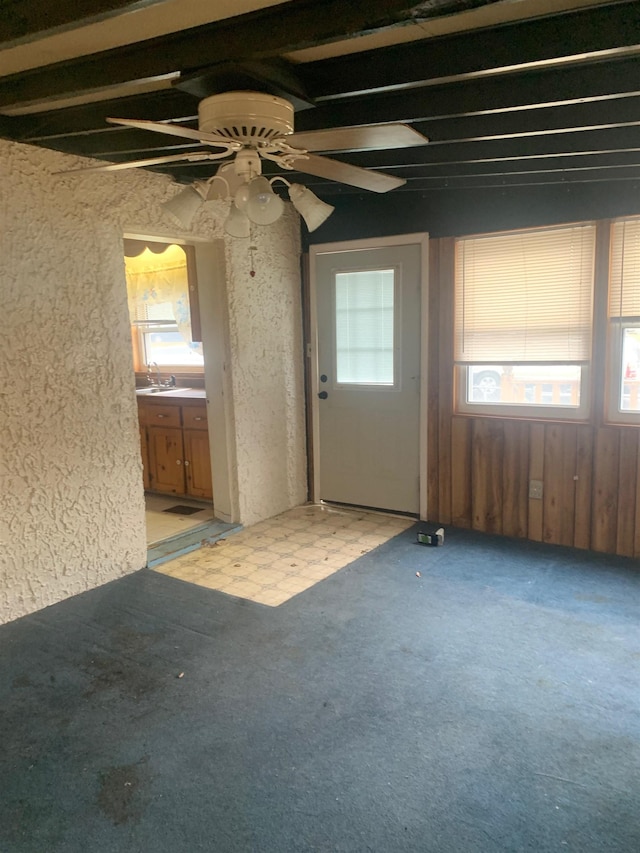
x=172, y=400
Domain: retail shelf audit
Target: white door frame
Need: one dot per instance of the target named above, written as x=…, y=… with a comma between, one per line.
x=422, y=239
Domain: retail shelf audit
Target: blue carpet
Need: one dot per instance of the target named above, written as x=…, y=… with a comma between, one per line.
x=489, y=705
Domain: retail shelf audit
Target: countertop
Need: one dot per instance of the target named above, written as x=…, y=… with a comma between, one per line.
x=173, y=393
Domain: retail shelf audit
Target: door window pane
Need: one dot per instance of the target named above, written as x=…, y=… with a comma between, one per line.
x=364, y=307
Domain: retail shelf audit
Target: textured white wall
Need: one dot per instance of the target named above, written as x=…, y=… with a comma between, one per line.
x=71, y=501
x=265, y=320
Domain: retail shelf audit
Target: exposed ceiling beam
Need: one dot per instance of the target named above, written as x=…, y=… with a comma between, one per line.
x=563, y=176
x=91, y=118
x=569, y=162
x=425, y=109
x=545, y=121
x=256, y=35
x=597, y=33
x=526, y=90
x=23, y=22
x=569, y=144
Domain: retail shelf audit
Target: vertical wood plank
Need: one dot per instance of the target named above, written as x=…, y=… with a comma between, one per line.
x=515, y=478
x=605, y=490
x=486, y=479
x=461, y=472
x=433, y=368
x=445, y=377
x=627, y=492
x=584, y=474
x=536, y=472
x=558, y=505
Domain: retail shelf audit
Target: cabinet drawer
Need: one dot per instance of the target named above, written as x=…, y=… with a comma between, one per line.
x=159, y=415
x=194, y=417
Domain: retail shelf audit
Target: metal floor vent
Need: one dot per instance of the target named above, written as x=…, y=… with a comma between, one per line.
x=181, y=509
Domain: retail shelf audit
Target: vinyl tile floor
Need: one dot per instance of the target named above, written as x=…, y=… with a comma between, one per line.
x=162, y=525
x=274, y=560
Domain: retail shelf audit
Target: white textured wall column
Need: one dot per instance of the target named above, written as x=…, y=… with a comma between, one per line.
x=265, y=321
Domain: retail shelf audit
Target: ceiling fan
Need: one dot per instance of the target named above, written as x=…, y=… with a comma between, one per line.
x=254, y=126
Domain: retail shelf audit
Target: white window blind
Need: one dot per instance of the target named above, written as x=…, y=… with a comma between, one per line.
x=364, y=305
x=624, y=277
x=525, y=296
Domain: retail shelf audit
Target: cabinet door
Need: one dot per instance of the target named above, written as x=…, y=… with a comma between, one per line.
x=144, y=452
x=197, y=462
x=166, y=460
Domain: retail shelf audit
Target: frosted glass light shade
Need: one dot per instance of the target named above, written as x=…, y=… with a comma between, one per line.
x=242, y=196
x=236, y=224
x=313, y=210
x=263, y=206
x=184, y=206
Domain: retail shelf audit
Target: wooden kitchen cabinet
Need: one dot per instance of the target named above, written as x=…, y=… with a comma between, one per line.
x=166, y=463
x=197, y=460
x=144, y=452
x=175, y=447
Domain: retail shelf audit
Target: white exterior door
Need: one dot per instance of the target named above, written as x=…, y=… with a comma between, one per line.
x=367, y=386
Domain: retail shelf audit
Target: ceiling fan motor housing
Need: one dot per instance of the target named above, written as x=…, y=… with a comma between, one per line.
x=249, y=117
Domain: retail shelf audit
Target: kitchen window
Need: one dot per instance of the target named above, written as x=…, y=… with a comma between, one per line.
x=161, y=290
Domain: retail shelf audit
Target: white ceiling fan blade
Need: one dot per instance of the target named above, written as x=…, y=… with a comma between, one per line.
x=365, y=179
x=138, y=164
x=177, y=130
x=370, y=137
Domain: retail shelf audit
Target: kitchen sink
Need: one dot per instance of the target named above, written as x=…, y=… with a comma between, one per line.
x=156, y=390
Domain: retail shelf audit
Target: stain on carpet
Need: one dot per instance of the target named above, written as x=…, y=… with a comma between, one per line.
x=108, y=673
x=131, y=672
x=596, y=599
x=121, y=797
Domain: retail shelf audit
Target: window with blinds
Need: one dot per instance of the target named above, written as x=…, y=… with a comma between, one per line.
x=624, y=321
x=364, y=327
x=523, y=319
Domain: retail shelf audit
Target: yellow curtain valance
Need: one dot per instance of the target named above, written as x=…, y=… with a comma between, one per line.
x=159, y=279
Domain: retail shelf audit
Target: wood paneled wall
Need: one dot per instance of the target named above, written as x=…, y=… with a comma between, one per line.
x=480, y=468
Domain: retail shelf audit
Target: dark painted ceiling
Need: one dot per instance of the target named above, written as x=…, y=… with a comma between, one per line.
x=545, y=100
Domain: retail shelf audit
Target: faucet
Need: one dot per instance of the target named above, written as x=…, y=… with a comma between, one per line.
x=155, y=364
x=170, y=382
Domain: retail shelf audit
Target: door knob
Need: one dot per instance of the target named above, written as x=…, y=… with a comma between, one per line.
x=323, y=395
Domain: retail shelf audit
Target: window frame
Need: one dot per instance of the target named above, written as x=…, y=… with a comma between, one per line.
x=615, y=325
x=615, y=329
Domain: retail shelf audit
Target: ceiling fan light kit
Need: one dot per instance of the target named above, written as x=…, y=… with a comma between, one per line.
x=184, y=205
x=237, y=223
x=312, y=209
x=263, y=206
